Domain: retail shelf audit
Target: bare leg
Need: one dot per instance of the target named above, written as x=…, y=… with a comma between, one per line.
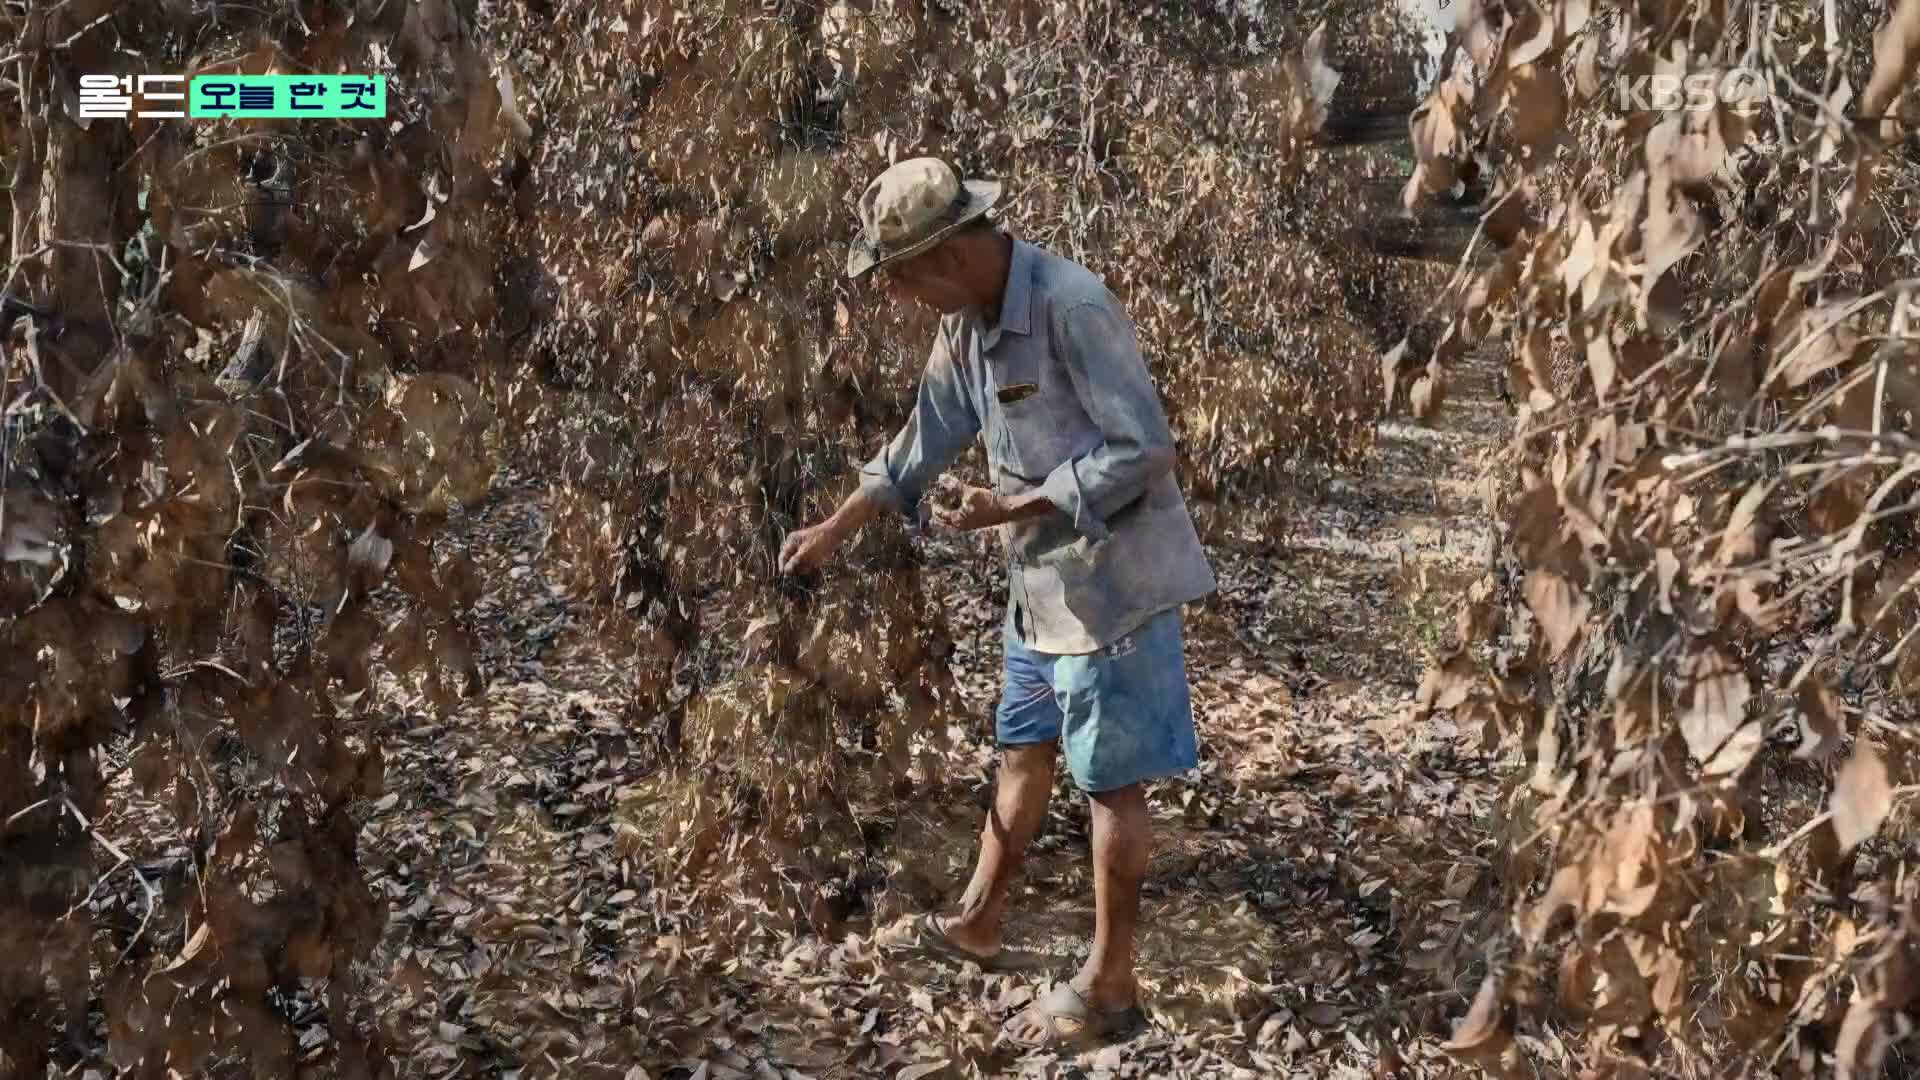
x=1122, y=843
x=1019, y=805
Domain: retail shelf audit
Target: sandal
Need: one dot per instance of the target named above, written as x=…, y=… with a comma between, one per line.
x=927, y=940
x=1069, y=1019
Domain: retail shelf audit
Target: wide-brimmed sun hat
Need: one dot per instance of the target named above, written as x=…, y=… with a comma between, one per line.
x=912, y=206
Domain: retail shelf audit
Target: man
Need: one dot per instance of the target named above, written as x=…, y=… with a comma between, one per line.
x=1036, y=357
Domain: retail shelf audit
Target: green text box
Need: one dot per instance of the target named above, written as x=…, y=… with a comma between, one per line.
x=291, y=97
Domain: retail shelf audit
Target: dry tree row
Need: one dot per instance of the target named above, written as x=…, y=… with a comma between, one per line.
x=245, y=373
x=1700, y=631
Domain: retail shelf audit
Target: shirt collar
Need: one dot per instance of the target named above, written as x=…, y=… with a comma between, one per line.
x=1016, y=303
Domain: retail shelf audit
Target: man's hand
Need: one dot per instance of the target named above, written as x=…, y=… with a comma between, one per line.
x=809, y=548
x=978, y=509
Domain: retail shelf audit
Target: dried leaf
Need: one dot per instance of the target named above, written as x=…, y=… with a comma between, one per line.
x=1737, y=752
x=1434, y=130
x=1742, y=538
x=1563, y=892
x=370, y=552
x=1812, y=341
x=1322, y=1014
x=1600, y=363
x=1485, y=1030
x=1717, y=692
x=1667, y=567
x=510, y=105
x=1862, y=797
x=1673, y=228
x=1446, y=684
x=1536, y=102
x=1822, y=722
x=1625, y=874
x=1560, y=608
x=1896, y=50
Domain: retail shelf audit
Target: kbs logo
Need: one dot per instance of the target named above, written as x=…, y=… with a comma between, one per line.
x=1741, y=91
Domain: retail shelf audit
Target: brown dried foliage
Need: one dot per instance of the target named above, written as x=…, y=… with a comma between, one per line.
x=708, y=380
x=1699, y=632
x=243, y=368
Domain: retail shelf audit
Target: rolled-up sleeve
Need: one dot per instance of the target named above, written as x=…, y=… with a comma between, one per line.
x=1097, y=344
x=941, y=425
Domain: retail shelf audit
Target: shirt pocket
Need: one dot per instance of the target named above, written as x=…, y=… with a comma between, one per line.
x=1032, y=441
x=1042, y=422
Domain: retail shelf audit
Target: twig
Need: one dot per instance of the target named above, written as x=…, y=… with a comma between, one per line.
x=23, y=812
x=97, y=249
x=40, y=377
x=1887, y=658
x=153, y=896
x=1896, y=327
x=76, y=35
x=1822, y=818
x=1829, y=434
x=1895, y=290
x=1804, y=831
x=102, y=880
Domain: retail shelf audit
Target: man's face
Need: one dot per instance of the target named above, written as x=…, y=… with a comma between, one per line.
x=931, y=278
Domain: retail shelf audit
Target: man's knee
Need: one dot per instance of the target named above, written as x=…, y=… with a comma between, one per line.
x=1121, y=800
x=1034, y=759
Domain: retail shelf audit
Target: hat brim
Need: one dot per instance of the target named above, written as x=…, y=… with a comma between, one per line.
x=982, y=195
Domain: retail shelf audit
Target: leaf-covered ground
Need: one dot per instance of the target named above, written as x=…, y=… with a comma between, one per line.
x=1312, y=907
x=1316, y=905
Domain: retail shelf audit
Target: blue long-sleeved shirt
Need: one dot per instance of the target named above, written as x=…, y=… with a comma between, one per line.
x=1059, y=394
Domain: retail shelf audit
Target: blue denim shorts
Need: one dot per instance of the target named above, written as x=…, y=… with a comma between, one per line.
x=1123, y=714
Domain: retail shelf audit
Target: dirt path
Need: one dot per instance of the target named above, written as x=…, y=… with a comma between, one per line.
x=1312, y=906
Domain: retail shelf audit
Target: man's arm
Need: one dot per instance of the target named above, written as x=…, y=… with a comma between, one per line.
x=1031, y=505
x=1102, y=356
x=941, y=425
x=855, y=510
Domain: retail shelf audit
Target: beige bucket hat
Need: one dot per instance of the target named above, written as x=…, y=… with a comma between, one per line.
x=912, y=206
